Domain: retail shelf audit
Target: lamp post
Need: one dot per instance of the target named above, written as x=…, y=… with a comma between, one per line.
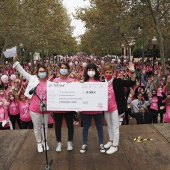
x=122, y=46
x=140, y=31
x=102, y=52
x=22, y=51
x=154, y=41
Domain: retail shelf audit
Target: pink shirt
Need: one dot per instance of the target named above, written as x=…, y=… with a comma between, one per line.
x=167, y=114
x=92, y=112
x=154, y=103
x=3, y=99
x=112, y=105
x=50, y=120
x=4, y=115
x=68, y=79
x=14, y=108
x=24, y=111
x=42, y=93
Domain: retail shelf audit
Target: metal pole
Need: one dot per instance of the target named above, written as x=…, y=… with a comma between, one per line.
x=154, y=46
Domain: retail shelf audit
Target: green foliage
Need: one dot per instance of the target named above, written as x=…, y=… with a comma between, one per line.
x=37, y=24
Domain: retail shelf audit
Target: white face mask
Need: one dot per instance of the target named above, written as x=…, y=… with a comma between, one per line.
x=91, y=73
x=1, y=104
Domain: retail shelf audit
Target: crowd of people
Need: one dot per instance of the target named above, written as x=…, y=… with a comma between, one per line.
x=134, y=90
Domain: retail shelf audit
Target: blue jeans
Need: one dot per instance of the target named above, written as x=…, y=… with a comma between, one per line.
x=86, y=124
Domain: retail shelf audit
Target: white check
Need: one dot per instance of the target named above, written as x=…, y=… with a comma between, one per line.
x=76, y=96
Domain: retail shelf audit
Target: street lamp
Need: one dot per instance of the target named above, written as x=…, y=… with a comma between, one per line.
x=140, y=31
x=102, y=52
x=22, y=51
x=154, y=41
x=122, y=46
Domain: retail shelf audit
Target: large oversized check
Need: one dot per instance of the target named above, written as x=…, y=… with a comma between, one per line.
x=76, y=96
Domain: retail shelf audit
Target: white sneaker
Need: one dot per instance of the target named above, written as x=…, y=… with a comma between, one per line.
x=47, y=147
x=59, y=146
x=39, y=147
x=112, y=150
x=83, y=149
x=102, y=149
x=108, y=145
x=69, y=146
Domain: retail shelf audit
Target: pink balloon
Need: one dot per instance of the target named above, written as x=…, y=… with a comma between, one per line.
x=102, y=61
x=84, y=64
x=76, y=63
x=35, y=62
x=4, y=78
x=13, y=77
x=70, y=64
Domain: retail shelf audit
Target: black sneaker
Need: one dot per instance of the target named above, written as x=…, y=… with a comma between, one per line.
x=102, y=150
x=83, y=149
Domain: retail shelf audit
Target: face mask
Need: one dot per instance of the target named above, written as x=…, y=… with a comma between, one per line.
x=42, y=75
x=11, y=98
x=24, y=80
x=163, y=79
x=1, y=104
x=1, y=93
x=63, y=72
x=91, y=73
x=108, y=76
x=153, y=94
x=142, y=112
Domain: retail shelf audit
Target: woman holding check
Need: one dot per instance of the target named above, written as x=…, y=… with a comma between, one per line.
x=39, y=80
x=91, y=75
x=68, y=115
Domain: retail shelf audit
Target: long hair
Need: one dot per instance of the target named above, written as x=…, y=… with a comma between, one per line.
x=91, y=66
x=45, y=68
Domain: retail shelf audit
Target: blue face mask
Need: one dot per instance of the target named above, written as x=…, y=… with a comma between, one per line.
x=42, y=75
x=63, y=72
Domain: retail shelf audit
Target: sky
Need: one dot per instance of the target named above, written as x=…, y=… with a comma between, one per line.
x=71, y=5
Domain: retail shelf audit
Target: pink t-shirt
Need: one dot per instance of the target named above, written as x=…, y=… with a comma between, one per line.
x=154, y=103
x=92, y=112
x=112, y=104
x=3, y=99
x=68, y=79
x=42, y=93
x=167, y=114
x=24, y=111
x=4, y=115
x=50, y=120
x=14, y=108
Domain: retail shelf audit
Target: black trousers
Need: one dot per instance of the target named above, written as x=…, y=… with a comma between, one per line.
x=155, y=117
x=58, y=118
x=161, y=112
x=25, y=125
x=14, y=119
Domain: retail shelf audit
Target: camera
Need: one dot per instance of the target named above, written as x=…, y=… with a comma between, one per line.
x=43, y=107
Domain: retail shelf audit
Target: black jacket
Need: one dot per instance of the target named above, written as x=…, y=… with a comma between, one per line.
x=118, y=85
x=142, y=119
